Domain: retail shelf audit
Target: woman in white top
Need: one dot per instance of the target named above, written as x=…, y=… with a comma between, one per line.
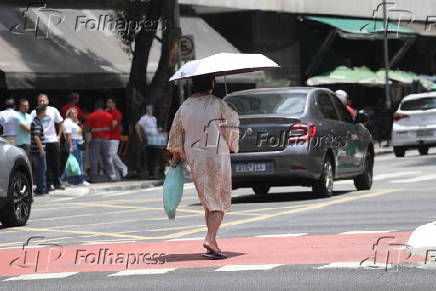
x=74, y=140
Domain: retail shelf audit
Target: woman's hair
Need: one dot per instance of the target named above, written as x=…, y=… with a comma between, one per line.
x=69, y=111
x=203, y=83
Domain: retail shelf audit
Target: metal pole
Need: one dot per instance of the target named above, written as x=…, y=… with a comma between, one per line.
x=225, y=84
x=386, y=57
x=179, y=57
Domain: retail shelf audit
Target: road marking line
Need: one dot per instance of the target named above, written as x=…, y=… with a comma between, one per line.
x=142, y=272
x=60, y=217
x=186, y=238
x=108, y=242
x=262, y=217
x=41, y=276
x=394, y=175
x=355, y=265
x=366, y=231
x=234, y=268
x=282, y=235
x=416, y=179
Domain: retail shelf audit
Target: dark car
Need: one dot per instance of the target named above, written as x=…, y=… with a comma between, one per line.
x=299, y=137
x=15, y=185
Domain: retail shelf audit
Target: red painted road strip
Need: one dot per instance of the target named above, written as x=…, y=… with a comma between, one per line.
x=322, y=249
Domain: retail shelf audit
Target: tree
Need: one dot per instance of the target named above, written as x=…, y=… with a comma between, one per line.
x=158, y=15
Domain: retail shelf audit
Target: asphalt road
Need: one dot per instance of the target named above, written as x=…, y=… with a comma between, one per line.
x=403, y=197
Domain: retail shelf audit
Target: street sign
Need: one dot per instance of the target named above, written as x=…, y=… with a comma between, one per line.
x=187, y=47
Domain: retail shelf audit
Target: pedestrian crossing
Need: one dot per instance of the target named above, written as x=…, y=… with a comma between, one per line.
x=408, y=177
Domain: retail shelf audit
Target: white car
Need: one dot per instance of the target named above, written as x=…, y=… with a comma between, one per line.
x=414, y=124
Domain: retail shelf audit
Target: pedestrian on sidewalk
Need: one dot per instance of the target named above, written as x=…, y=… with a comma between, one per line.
x=119, y=167
x=74, y=143
x=52, y=137
x=100, y=124
x=8, y=120
x=146, y=130
x=23, y=126
x=73, y=103
x=195, y=137
x=38, y=150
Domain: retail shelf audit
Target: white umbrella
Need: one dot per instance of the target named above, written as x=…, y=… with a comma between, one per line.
x=223, y=64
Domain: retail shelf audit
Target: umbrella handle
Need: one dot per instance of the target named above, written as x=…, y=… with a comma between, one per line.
x=225, y=84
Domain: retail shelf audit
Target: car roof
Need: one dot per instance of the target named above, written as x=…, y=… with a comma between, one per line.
x=418, y=96
x=275, y=90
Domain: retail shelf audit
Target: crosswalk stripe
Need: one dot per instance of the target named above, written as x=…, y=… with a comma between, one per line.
x=41, y=276
x=282, y=235
x=186, y=238
x=395, y=175
x=416, y=179
x=143, y=272
x=233, y=268
x=366, y=231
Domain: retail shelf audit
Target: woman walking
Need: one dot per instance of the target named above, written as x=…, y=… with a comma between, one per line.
x=74, y=143
x=204, y=132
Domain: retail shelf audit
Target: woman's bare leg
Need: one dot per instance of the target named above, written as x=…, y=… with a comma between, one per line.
x=215, y=219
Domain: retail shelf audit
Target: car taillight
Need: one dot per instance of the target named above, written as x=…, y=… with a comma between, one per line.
x=399, y=116
x=302, y=132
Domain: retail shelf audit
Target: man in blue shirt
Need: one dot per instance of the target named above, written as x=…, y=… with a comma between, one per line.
x=24, y=120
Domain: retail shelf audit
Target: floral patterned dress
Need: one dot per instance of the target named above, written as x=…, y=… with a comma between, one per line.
x=204, y=131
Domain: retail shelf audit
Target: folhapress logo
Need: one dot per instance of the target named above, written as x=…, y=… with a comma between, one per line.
x=38, y=19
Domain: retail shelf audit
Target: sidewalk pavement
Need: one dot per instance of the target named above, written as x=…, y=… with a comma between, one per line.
x=128, y=185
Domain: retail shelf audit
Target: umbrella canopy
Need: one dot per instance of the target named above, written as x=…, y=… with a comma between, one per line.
x=223, y=64
x=408, y=78
x=345, y=75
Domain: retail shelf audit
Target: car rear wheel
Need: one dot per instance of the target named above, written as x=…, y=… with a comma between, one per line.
x=261, y=189
x=324, y=186
x=17, y=210
x=399, y=152
x=423, y=150
x=364, y=181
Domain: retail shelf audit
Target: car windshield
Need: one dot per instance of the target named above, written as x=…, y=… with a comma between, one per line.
x=419, y=104
x=269, y=103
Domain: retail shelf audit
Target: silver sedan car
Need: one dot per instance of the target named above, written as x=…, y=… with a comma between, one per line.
x=299, y=137
x=15, y=185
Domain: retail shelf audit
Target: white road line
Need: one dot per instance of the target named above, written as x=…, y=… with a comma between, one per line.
x=395, y=175
x=143, y=272
x=186, y=238
x=282, y=235
x=355, y=265
x=41, y=276
x=234, y=268
x=416, y=179
x=366, y=231
x=62, y=199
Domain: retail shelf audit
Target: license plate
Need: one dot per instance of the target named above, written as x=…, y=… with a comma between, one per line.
x=250, y=167
x=422, y=133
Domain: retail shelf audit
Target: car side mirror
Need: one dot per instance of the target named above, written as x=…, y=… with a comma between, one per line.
x=361, y=117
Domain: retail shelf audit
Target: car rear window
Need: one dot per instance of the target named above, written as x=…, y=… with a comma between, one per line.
x=269, y=103
x=426, y=103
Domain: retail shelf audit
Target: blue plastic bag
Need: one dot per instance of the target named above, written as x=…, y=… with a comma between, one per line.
x=72, y=167
x=173, y=189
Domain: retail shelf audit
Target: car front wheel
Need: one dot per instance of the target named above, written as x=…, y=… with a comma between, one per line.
x=423, y=150
x=324, y=186
x=17, y=209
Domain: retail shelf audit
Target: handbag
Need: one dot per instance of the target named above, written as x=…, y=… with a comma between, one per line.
x=173, y=189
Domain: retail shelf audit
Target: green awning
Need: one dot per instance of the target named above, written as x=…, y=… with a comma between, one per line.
x=345, y=75
x=364, y=28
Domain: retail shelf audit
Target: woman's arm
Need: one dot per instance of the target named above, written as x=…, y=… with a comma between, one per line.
x=70, y=142
x=176, y=138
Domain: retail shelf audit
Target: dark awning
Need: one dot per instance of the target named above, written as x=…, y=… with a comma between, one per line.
x=71, y=56
x=364, y=28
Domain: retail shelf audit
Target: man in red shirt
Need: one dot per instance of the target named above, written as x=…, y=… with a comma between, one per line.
x=74, y=100
x=117, y=116
x=100, y=124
